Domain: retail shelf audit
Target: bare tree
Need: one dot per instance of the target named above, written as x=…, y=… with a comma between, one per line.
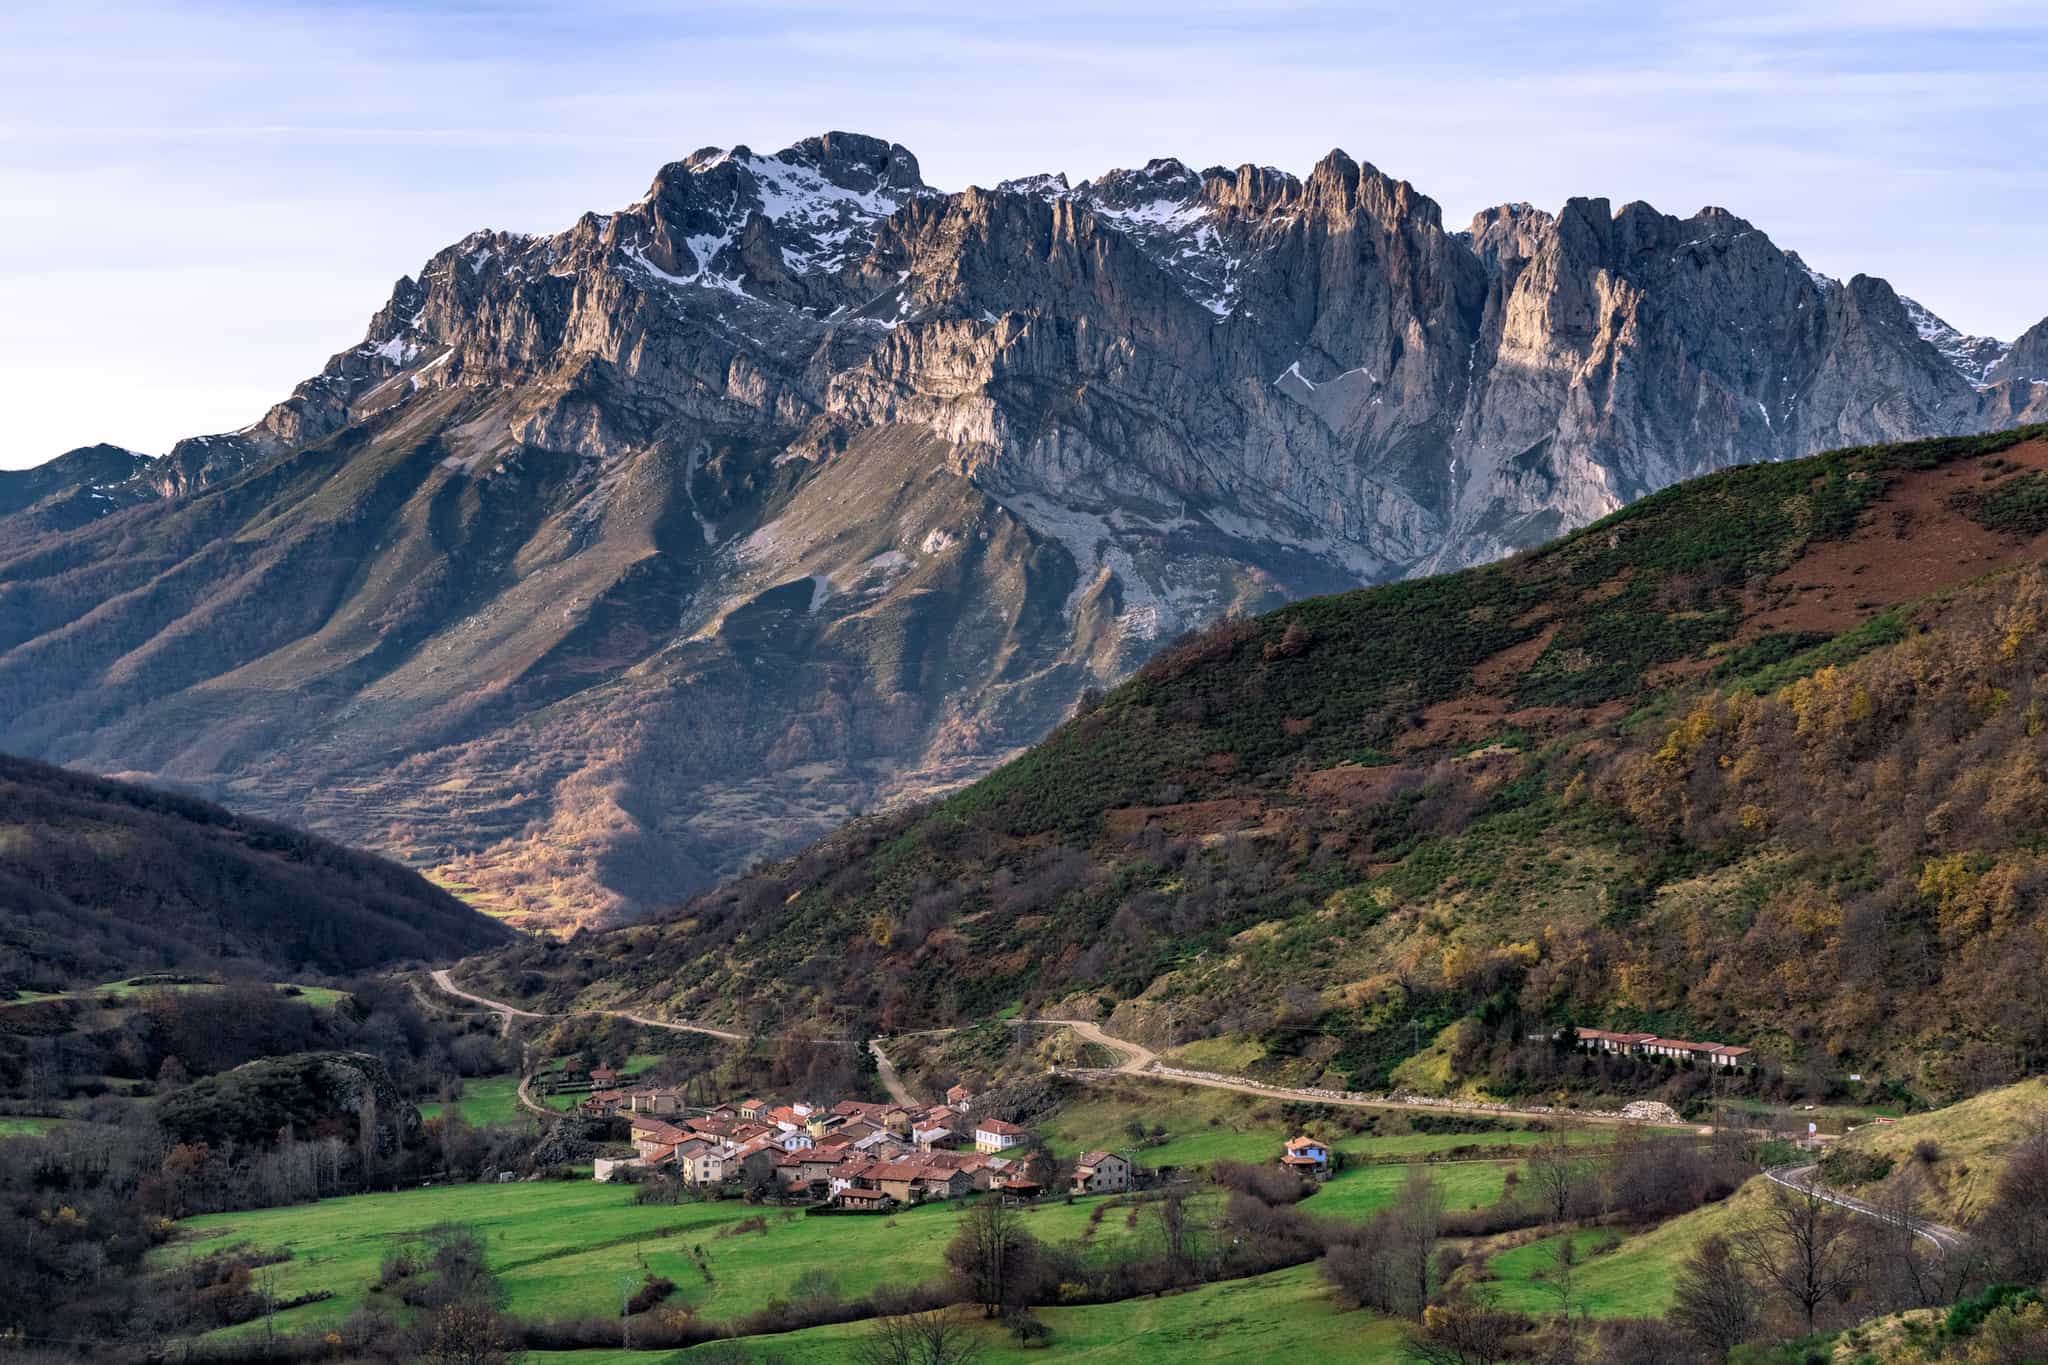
x=1182, y=1238
x=1912, y=1269
x=1462, y=1332
x=993, y=1256
x=933, y=1338
x=1560, y=1281
x=1555, y=1174
x=1802, y=1247
x=1418, y=1215
x=469, y=1333
x=1716, y=1300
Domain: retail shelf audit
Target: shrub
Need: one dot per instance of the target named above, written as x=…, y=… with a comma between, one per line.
x=652, y=1291
x=1969, y=1314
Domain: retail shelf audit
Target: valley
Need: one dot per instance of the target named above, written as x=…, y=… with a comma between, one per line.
x=862, y=759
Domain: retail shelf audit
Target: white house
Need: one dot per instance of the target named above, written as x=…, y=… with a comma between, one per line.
x=998, y=1135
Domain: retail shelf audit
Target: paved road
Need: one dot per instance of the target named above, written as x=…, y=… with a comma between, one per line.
x=1804, y=1179
x=506, y=1013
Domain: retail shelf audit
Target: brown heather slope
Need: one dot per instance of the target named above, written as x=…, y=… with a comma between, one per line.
x=1758, y=759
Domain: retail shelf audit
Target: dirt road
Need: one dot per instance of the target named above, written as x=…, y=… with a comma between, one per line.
x=506, y=1013
x=891, y=1082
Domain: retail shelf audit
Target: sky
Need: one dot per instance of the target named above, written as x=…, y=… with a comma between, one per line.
x=200, y=202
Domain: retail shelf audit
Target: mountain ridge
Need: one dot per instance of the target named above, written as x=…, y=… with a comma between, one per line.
x=614, y=558
x=1756, y=759
x=101, y=879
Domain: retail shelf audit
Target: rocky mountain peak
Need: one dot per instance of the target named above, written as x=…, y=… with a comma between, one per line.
x=2026, y=361
x=796, y=486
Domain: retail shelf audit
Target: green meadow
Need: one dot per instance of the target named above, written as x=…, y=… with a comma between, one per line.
x=485, y=1100
x=563, y=1248
x=1263, y=1318
x=1205, y=1126
x=26, y=1127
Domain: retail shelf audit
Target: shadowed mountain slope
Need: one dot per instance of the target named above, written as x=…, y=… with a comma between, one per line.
x=102, y=879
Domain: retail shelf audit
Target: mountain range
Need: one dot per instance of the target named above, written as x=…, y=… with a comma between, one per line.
x=613, y=560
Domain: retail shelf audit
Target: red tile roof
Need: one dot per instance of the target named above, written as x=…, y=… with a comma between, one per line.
x=1000, y=1127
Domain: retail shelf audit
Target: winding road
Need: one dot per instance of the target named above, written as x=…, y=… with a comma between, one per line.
x=507, y=1013
x=1141, y=1061
x=1802, y=1179
x=1138, y=1061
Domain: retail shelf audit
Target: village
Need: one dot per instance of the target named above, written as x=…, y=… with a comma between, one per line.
x=858, y=1156
x=851, y=1156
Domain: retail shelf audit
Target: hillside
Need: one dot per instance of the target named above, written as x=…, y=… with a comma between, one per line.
x=1951, y=1158
x=609, y=561
x=1757, y=759
x=99, y=879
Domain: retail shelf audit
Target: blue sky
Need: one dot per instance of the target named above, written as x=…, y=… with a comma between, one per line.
x=200, y=202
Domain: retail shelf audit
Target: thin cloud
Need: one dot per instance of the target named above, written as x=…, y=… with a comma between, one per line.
x=199, y=174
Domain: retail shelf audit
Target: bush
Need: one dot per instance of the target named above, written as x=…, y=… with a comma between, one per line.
x=1268, y=1184
x=652, y=1291
x=1026, y=1330
x=1927, y=1151
x=1969, y=1314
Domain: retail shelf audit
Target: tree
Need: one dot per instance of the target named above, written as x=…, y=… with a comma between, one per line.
x=1555, y=1175
x=469, y=1333
x=1417, y=1220
x=1715, y=1300
x=1181, y=1238
x=1560, y=1281
x=1802, y=1247
x=993, y=1257
x=933, y=1338
x=1461, y=1332
x=1359, y=1265
x=1911, y=1268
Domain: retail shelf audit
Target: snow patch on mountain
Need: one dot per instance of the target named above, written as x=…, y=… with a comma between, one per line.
x=1972, y=356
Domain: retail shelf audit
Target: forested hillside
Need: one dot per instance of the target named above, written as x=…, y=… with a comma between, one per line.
x=99, y=879
x=1758, y=758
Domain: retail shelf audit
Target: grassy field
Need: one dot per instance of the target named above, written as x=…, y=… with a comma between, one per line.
x=485, y=1100
x=1364, y=1190
x=562, y=1248
x=1266, y=1317
x=320, y=997
x=1205, y=1126
x=26, y=1127
x=1631, y=1276
x=1968, y=1140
